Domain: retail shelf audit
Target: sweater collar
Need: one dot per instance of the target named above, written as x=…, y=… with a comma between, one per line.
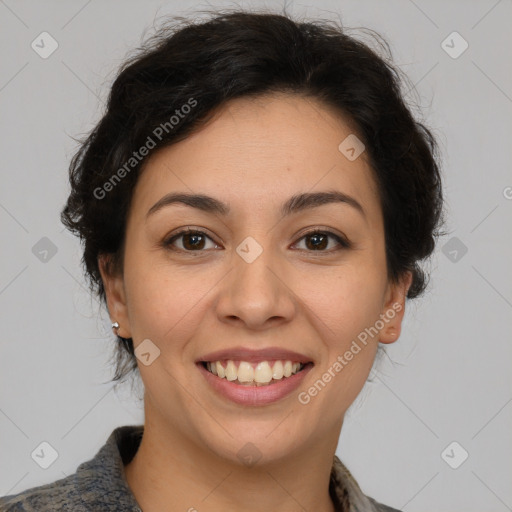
x=103, y=477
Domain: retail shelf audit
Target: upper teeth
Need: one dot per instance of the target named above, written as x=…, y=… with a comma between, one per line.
x=262, y=373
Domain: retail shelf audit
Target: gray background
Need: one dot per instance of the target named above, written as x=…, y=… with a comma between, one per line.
x=448, y=377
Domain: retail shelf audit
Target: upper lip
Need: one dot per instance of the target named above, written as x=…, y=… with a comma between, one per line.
x=252, y=355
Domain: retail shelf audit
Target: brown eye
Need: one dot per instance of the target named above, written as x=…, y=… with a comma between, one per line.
x=191, y=241
x=319, y=240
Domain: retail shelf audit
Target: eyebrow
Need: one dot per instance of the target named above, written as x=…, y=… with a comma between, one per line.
x=294, y=204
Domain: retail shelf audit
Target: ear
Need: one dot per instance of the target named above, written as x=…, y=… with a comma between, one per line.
x=113, y=283
x=394, y=309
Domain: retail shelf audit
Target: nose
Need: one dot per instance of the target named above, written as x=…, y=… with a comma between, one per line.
x=256, y=293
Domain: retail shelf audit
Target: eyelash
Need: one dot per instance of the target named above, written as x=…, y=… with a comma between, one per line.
x=343, y=242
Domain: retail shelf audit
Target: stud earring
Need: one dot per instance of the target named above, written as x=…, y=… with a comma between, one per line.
x=115, y=326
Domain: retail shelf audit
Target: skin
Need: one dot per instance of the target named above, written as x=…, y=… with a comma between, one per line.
x=254, y=155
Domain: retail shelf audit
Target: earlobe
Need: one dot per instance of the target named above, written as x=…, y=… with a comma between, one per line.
x=394, y=310
x=113, y=283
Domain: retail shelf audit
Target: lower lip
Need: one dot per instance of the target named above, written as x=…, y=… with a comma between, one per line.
x=255, y=395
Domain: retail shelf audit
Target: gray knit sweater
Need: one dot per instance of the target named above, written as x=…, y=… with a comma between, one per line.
x=99, y=485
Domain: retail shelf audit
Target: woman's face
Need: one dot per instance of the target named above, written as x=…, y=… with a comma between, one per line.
x=254, y=279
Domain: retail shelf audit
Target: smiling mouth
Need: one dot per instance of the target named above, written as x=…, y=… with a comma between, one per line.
x=263, y=373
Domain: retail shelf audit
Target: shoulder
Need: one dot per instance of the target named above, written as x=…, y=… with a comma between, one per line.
x=59, y=495
x=97, y=484
x=379, y=507
x=347, y=493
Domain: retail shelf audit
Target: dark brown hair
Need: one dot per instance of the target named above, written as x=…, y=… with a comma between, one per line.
x=234, y=54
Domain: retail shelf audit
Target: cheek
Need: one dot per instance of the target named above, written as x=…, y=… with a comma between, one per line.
x=164, y=303
x=346, y=300
x=343, y=315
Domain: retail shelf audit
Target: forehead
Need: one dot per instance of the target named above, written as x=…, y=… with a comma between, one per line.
x=260, y=150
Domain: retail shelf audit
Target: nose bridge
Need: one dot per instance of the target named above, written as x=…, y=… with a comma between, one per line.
x=252, y=263
x=256, y=291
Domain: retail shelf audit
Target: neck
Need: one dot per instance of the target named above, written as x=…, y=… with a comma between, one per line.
x=170, y=473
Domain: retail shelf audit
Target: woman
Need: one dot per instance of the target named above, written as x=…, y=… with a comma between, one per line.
x=254, y=206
